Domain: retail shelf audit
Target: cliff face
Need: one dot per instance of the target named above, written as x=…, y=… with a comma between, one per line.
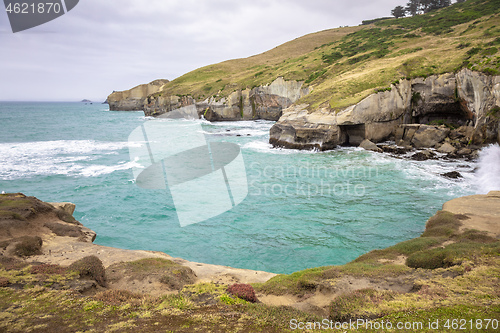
x=467, y=98
x=135, y=98
x=263, y=102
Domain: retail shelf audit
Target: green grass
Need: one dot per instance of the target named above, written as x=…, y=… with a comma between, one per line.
x=462, y=318
x=346, y=65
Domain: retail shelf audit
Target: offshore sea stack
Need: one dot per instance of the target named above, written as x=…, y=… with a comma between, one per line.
x=412, y=112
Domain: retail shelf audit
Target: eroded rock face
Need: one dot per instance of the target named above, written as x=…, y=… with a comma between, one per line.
x=429, y=136
x=467, y=99
x=133, y=99
x=264, y=102
x=480, y=95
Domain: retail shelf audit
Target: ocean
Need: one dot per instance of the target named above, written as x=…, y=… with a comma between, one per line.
x=303, y=209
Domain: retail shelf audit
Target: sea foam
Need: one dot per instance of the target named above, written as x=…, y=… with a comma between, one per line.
x=61, y=157
x=488, y=173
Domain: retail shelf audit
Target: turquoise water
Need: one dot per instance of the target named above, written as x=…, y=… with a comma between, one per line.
x=304, y=209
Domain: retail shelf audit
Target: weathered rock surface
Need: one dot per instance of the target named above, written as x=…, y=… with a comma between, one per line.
x=483, y=212
x=263, y=102
x=135, y=98
x=368, y=145
x=67, y=207
x=447, y=148
x=429, y=136
x=467, y=100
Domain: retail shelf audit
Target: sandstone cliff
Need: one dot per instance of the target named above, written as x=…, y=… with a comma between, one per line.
x=262, y=102
x=133, y=99
x=467, y=98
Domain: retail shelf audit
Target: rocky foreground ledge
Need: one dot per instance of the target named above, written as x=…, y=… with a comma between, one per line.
x=52, y=277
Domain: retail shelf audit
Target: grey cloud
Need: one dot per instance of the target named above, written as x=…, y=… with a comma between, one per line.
x=102, y=46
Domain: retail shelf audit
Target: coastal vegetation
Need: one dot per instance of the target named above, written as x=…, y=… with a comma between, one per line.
x=450, y=272
x=344, y=65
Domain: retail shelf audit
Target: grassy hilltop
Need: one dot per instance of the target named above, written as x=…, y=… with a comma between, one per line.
x=344, y=65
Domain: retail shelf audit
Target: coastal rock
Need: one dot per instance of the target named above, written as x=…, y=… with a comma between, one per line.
x=368, y=145
x=295, y=136
x=135, y=98
x=452, y=175
x=429, y=136
x=434, y=99
x=263, y=102
x=483, y=212
x=480, y=96
x=446, y=148
x=422, y=155
x=67, y=207
x=408, y=112
x=464, y=151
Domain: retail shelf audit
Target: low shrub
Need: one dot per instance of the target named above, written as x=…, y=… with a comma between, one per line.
x=64, y=230
x=90, y=266
x=451, y=255
x=243, y=291
x=432, y=259
x=28, y=246
x=176, y=278
x=475, y=236
x=65, y=216
x=414, y=245
x=443, y=224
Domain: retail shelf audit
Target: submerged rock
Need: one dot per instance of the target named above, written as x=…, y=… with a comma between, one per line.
x=423, y=155
x=452, y=175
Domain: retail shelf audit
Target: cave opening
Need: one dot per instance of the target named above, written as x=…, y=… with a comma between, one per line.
x=450, y=114
x=352, y=135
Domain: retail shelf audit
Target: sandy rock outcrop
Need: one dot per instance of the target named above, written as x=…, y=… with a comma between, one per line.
x=483, y=212
x=263, y=102
x=469, y=100
x=135, y=98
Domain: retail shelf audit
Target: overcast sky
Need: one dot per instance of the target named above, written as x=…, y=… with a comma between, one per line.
x=106, y=45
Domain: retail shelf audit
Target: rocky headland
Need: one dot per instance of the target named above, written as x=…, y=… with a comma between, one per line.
x=454, y=113
x=135, y=98
x=428, y=81
x=53, y=276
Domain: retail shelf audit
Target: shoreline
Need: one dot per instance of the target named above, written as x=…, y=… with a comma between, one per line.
x=458, y=248
x=63, y=250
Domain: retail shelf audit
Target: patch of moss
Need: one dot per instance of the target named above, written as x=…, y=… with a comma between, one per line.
x=360, y=304
x=453, y=254
x=443, y=224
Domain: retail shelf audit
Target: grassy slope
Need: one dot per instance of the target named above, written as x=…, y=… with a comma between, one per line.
x=347, y=64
